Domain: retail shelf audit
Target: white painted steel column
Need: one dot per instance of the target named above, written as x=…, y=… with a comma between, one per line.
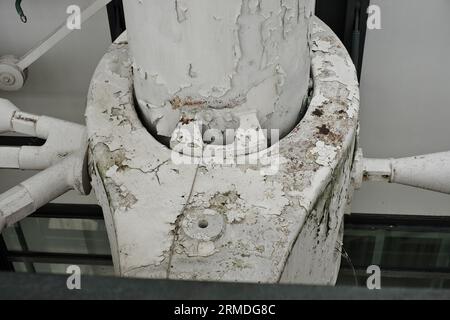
x=231, y=221
x=210, y=60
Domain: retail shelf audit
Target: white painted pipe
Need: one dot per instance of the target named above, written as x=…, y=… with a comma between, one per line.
x=62, y=138
x=30, y=195
x=9, y=157
x=211, y=59
x=430, y=172
x=7, y=110
x=377, y=169
x=63, y=156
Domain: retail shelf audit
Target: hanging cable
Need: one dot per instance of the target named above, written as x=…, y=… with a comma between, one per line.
x=22, y=15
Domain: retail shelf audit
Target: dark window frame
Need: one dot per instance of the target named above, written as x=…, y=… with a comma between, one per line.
x=116, y=18
x=348, y=19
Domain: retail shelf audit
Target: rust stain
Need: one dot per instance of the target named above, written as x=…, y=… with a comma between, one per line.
x=323, y=129
x=178, y=102
x=186, y=120
x=334, y=138
x=318, y=113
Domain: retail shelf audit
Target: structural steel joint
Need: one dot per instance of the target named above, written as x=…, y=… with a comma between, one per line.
x=63, y=159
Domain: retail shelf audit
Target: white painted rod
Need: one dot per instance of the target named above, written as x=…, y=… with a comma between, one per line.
x=63, y=158
x=24, y=199
x=430, y=172
x=58, y=35
x=62, y=138
x=7, y=110
x=9, y=157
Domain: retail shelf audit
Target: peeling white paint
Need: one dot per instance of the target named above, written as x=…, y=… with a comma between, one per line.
x=319, y=100
x=220, y=56
x=326, y=154
x=283, y=227
x=321, y=45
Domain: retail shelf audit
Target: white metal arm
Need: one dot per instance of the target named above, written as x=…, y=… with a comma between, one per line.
x=63, y=156
x=62, y=138
x=24, y=199
x=7, y=111
x=430, y=172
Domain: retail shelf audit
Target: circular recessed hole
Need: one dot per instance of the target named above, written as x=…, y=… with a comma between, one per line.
x=203, y=224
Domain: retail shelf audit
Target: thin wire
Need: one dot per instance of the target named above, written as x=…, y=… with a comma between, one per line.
x=344, y=253
x=19, y=9
x=177, y=222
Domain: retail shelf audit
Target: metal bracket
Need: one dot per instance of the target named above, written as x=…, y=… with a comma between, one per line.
x=63, y=159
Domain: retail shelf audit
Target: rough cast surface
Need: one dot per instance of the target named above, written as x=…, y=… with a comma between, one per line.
x=259, y=228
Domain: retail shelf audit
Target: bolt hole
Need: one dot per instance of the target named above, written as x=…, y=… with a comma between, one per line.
x=203, y=224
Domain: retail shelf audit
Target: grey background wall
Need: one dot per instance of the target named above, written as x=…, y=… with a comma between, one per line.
x=405, y=87
x=405, y=98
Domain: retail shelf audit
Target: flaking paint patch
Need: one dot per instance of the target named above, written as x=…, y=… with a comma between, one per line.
x=321, y=45
x=139, y=166
x=326, y=154
x=319, y=100
x=333, y=66
x=246, y=59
